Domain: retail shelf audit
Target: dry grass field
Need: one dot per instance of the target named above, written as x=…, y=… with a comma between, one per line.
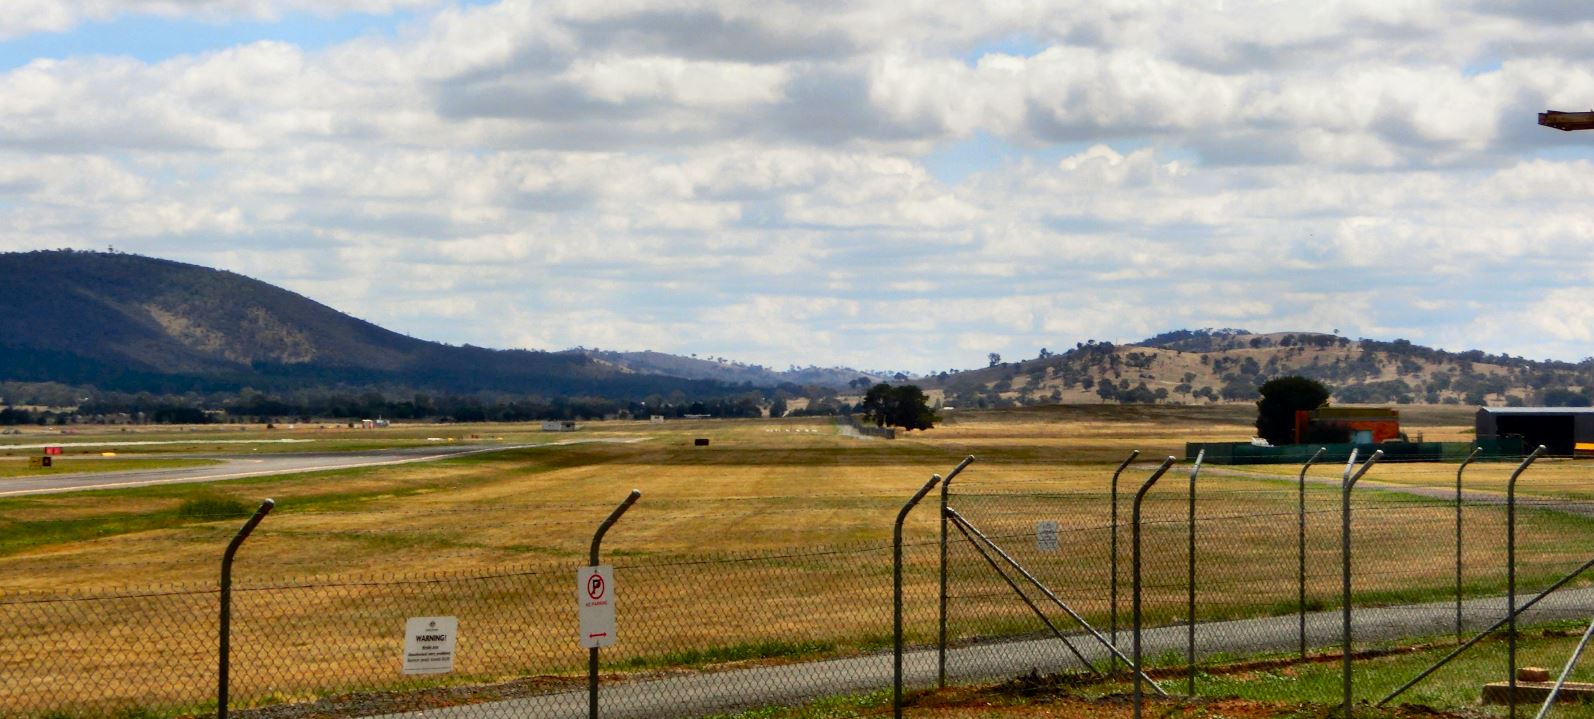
x=772, y=541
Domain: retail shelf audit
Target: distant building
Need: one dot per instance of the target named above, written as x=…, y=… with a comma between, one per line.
x=559, y=425
x=1357, y=425
x=656, y=419
x=1559, y=429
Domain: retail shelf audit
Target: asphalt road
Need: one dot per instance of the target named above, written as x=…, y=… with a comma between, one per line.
x=696, y=695
x=238, y=467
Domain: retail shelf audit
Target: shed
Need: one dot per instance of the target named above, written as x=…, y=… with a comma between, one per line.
x=1357, y=425
x=1559, y=429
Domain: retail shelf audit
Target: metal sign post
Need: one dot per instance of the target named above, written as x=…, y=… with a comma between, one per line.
x=592, y=653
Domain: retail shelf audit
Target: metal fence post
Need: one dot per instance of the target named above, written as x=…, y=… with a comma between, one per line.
x=1300, y=544
x=1134, y=568
x=1112, y=604
x=1346, y=484
x=1511, y=577
x=896, y=594
x=940, y=644
x=224, y=637
x=1190, y=582
x=1459, y=471
x=592, y=558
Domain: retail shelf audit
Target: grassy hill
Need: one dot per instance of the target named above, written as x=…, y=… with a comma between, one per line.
x=721, y=369
x=1211, y=366
x=132, y=323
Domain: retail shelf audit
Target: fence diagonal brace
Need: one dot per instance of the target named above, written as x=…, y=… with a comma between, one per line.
x=958, y=519
x=1027, y=601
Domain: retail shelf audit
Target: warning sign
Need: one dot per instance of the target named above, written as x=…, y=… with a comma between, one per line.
x=429, y=644
x=595, y=598
x=1046, y=535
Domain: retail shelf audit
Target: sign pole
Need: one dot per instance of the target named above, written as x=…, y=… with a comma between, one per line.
x=592, y=654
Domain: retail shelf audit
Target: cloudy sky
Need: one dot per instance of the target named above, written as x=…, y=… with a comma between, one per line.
x=903, y=185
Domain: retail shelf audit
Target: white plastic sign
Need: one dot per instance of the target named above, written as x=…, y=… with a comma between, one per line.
x=1046, y=535
x=429, y=644
x=595, y=597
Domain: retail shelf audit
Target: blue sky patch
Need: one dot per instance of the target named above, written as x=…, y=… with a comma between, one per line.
x=153, y=39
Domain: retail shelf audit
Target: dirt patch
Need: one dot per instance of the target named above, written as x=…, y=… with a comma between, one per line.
x=358, y=704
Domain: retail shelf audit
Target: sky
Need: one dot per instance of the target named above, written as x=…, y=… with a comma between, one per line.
x=899, y=185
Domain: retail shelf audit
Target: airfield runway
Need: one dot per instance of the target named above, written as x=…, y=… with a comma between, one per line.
x=238, y=467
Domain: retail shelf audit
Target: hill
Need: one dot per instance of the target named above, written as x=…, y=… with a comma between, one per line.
x=1211, y=366
x=132, y=323
x=721, y=369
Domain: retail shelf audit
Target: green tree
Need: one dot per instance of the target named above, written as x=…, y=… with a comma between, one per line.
x=906, y=406
x=1281, y=397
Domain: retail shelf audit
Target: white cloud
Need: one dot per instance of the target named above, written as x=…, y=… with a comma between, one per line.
x=704, y=176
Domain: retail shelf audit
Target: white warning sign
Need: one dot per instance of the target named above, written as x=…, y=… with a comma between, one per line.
x=595, y=597
x=1046, y=535
x=429, y=644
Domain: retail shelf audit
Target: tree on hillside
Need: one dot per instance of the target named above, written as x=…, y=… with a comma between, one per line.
x=905, y=406
x=1281, y=397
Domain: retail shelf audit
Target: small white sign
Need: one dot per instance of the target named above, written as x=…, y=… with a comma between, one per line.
x=429, y=644
x=1046, y=535
x=595, y=597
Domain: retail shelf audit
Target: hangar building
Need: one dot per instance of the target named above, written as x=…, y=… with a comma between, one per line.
x=1559, y=429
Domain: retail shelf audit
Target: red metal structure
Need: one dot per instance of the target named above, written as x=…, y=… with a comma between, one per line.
x=1362, y=425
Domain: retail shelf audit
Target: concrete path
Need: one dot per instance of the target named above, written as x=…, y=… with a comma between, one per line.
x=260, y=465
x=696, y=695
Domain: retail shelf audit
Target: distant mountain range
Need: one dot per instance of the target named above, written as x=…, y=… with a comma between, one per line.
x=132, y=323
x=138, y=324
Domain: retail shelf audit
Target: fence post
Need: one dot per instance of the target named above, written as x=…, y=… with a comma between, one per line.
x=1112, y=610
x=1134, y=568
x=224, y=638
x=1300, y=544
x=1459, y=471
x=1190, y=583
x=592, y=557
x=1511, y=577
x=940, y=644
x=896, y=594
x=1346, y=484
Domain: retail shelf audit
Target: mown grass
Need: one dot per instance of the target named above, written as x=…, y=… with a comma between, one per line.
x=18, y=467
x=1282, y=688
x=753, y=493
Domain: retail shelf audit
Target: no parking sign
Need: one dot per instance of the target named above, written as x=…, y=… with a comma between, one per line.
x=595, y=597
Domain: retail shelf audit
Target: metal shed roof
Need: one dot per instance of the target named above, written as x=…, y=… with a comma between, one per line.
x=1537, y=410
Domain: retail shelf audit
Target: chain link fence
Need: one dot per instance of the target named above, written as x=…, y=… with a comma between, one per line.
x=705, y=632
x=1254, y=585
